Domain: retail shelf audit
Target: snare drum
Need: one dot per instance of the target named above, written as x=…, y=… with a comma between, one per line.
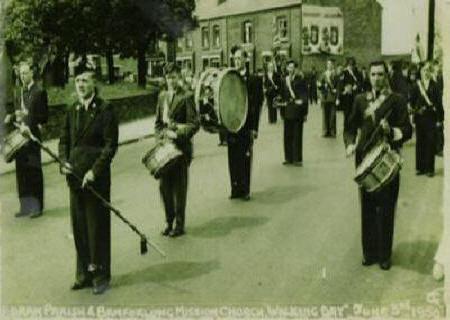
x=378, y=168
x=161, y=157
x=12, y=143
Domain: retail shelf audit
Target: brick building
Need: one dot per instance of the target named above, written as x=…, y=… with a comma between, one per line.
x=274, y=27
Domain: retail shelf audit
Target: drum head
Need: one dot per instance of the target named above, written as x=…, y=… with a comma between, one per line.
x=232, y=100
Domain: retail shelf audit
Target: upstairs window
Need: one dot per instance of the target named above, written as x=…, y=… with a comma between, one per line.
x=205, y=37
x=282, y=27
x=216, y=36
x=247, y=32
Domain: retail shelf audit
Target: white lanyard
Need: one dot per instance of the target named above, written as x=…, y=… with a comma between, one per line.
x=288, y=83
x=165, y=116
x=423, y=92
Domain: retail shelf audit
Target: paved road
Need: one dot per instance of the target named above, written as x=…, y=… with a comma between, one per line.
x=296, y=242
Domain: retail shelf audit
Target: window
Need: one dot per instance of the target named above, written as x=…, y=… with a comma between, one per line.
x=247, y=32
x=205, y=37
x=179, y=45
x=282, y=27
x=205, y=63
x=216, y=36
x=188, y=41
x=214, y=62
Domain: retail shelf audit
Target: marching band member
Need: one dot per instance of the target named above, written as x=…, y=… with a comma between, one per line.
x=426, y=101
x=328, y=89
x=272, y=88
x=88, y=144
x=350, y=86
x=31, y=110
x=294, y=114
x=240, y=144
x=176, y=120
x=368, y=114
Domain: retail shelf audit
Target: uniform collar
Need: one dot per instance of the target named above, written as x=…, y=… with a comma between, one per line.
x=86, y=103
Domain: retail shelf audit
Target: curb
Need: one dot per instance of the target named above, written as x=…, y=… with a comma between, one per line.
x=123, y=143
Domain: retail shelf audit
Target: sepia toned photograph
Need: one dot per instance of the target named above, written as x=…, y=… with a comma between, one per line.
x=224, y=159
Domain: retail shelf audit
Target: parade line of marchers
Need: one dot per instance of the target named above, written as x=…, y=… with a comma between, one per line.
x=377, y=122
x=395, y=310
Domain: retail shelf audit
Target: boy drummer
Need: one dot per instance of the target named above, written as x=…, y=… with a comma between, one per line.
x=177, y=121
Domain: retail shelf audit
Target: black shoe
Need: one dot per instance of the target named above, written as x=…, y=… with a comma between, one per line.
x=81, y=285
x=176, y=233
x=166, y=231
x=385, y=265
x=36, y=215
x=368, y=262
x=234, y=196
x=287, y=163
x=298, y=164
x=21, y=214
x=100, y=288
x=430, y=174
x=419, y=173
x=246, y=197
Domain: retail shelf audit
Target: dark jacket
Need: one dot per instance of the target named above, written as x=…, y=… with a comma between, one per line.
x=399, y=118
x=183, y=119
x=35, y=101
x=272, y=88
x=328, y=86
x=89, y=141
x=399, y=84
x=255, y=100
x=420, y=106
x=295, y=111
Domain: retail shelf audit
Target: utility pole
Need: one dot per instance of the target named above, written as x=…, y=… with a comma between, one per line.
x=431, y=18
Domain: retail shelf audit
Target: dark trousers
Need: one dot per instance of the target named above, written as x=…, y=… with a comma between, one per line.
x=29, y=178
x=91, y=223
x=222, y=136
x=240, y=152
x=329, y=119
x=271, y=110
x=346, y=102
x=293, y=140
x=377, y=217
x=425, y=143
x=173, y=189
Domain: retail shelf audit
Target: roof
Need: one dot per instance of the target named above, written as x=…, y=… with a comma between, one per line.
x=210, y=9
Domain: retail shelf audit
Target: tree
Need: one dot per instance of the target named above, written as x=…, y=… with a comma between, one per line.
x=139, y=22
x=49, y=30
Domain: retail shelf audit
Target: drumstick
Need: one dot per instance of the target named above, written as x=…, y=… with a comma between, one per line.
x=377, y=129
x=107, y=204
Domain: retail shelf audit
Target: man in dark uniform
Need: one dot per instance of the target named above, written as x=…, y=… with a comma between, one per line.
x=272, y=88
x=426, y=101
x=176, y=120
x=294, y=114
x=31, y=111
x=88, y=143
x=327, y=84
x=240, y=144
x=377, y=208
x=350, y=86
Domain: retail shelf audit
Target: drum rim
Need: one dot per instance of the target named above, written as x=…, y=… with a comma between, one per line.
x=221, y=75
x=382, y=146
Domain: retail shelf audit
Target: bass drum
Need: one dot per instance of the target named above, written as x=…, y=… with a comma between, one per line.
x=226, y=93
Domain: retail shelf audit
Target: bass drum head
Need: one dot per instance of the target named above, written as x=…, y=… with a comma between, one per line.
x=232, y=100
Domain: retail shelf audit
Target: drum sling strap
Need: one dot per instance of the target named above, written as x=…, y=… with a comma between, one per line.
x=378, y=127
